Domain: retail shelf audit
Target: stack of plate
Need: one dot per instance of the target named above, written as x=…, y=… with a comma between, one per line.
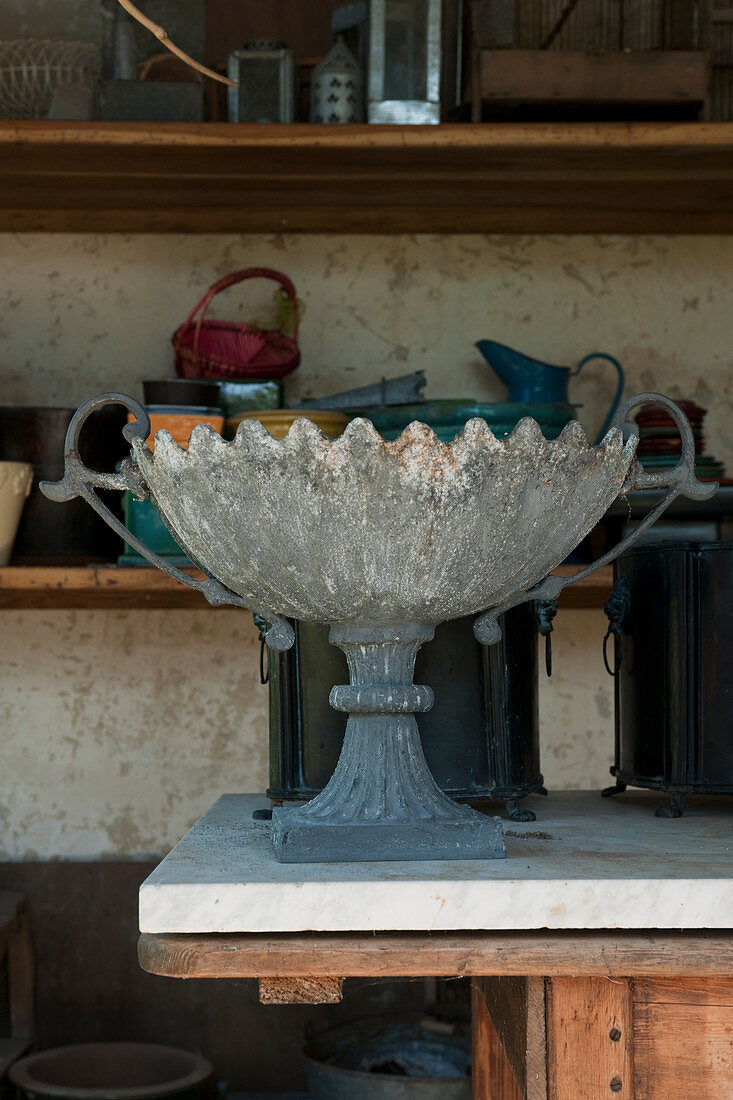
x=660, y=443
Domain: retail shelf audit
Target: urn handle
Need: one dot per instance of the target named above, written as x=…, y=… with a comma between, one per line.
x=80, y=481
x=680, y=480
x=616, y=608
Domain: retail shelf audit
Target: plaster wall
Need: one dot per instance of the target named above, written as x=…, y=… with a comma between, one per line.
x=120, y=728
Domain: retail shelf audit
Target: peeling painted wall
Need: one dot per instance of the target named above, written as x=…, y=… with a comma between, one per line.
x=79, y=314
x=120, y=728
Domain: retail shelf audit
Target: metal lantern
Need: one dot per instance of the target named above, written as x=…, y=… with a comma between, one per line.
x=404, y=61
x=337, y=87
x=350, y=22
x=265, y=75
x=671, y=617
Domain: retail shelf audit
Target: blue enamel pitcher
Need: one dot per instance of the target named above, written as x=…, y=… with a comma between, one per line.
x=532, y=382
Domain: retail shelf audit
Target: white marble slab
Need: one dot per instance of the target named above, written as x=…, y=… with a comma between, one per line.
x=586, y=862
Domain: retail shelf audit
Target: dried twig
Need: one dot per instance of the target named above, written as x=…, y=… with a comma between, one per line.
x=162, y=35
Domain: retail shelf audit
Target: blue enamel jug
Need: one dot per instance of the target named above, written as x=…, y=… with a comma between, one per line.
x=532, y=382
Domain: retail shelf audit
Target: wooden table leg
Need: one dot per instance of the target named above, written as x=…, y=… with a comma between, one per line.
x=492, y=1077
x=509, y=1034
x=590, y=1039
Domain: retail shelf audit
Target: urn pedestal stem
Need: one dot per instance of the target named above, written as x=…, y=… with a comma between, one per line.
x=382, y=801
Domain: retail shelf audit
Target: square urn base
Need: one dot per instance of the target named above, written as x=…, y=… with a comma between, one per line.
x=297, y=841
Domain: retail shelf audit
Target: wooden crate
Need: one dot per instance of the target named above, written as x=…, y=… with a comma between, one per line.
x=613, y=25
x=592, y=24
x=673, y=79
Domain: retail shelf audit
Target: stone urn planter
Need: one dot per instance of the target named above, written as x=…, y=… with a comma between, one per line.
x=383, y=541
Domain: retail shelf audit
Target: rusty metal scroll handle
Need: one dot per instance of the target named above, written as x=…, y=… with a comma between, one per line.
x=680, y=480
x=80, y=481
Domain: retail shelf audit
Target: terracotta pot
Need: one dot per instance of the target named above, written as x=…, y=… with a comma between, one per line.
x=16, y=479
x=111, y=1071
x=279, y=421
x=180, y=421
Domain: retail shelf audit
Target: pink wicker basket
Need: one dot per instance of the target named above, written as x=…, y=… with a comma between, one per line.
x=235, y=349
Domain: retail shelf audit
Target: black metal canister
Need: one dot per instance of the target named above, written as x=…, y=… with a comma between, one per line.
x=481, y=739
x=672, y=617
x=73, y=535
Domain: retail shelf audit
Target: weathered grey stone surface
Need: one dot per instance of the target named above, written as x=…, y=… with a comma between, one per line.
x=383, y=540
x=360, y=529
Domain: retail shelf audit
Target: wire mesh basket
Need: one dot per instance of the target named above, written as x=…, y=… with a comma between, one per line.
x=31, y=69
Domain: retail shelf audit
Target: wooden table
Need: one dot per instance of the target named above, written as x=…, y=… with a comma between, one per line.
x=564, y=1014
x=556, y=1016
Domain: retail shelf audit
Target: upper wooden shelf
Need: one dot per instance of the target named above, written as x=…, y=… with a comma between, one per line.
x=111, y=586
x=219, y=177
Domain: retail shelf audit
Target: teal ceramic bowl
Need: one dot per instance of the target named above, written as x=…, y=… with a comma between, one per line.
x=447, y=417
x=143, y=519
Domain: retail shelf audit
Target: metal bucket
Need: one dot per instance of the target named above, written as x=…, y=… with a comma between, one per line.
x=111, y=1071
x=388, y=1062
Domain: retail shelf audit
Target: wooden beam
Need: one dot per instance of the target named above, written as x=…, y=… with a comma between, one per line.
x=301, y=991
x=575, y=76
x=491, y=1073
x=517, y=1008
x=136, y=177
x=590, y=1038
x=416, y=955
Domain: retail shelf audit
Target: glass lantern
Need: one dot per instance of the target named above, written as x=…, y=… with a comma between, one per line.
x=404, y=61
x=265, y=90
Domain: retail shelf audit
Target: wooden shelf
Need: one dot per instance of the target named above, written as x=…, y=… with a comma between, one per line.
x=111, y=586
x=95, y=587
x=218, y=177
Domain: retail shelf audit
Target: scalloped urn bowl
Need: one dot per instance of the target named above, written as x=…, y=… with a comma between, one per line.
x=359, y=529
x=383, y=540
